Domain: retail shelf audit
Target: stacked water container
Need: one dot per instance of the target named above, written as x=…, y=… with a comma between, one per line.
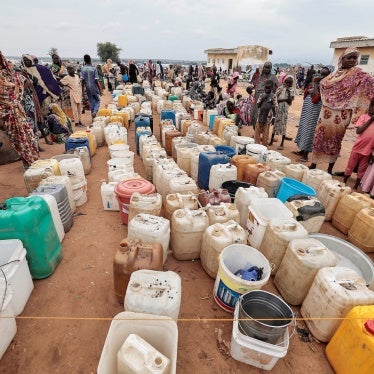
x=114, y=133
x=121, y=168
x=73, y=168
x=39, y=171
x=15, y=288
x=58, y=201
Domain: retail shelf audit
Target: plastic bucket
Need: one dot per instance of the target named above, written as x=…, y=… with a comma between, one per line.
x=124, y=191
x=290, y=187
x=228, y=287
x=264, y=316
x=79, y=189
x=255, y=352
x=228, y=151
x=232, y=186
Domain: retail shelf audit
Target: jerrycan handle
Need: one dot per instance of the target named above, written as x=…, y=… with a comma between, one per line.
x=134, y=250
x=3, y=206
x=289, y=227
x=232, y=226
x=314, y=251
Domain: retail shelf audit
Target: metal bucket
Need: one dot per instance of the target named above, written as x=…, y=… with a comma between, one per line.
x=264, y=316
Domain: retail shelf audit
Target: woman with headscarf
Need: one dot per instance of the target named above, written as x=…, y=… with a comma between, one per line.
x=32, y=109
x=13, y=116
x=309, y=116
x=260, y=88
x=101, y=77
x=345, y=94
x=231, y=111
x=285, y=95
x=133, y=72
x=59, y=124
x=59, y=71
x=109, y=74
x=151, y=72
x=233, y=83
x=46, y=86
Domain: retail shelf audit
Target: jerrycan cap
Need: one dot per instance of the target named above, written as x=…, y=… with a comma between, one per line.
x=369, y=326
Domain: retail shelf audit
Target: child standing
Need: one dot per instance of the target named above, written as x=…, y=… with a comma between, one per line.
x=285, y=96
x=73, y=82
x=367, y=181
x=363, y=146
x=267, y=106
x=245, y=107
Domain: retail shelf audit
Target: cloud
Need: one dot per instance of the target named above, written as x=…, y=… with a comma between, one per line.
x=111, y=26
x=66, y=26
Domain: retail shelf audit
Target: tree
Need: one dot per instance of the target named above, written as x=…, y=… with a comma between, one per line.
x=53, y=51
x=108, y=50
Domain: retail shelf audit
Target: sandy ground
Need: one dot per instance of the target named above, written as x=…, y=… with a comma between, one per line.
x=66, y=320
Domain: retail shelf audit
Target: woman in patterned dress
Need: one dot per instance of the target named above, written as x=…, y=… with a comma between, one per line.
x=345, y=94
x=13, y=118
x=285, y=95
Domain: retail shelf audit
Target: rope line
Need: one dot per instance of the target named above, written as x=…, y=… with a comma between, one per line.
x=202, y=319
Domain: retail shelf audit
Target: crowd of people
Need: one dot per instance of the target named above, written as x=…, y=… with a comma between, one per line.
x=40, y=101
x=334, y=99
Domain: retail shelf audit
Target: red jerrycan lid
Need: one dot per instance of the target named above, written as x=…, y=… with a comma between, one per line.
x=369, y=326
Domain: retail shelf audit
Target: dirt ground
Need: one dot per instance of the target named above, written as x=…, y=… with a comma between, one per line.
x=66, y=320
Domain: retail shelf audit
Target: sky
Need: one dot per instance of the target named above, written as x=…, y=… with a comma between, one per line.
x=297, y=31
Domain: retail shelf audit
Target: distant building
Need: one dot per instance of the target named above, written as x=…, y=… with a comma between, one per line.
x=363, y=44
x=239, y=57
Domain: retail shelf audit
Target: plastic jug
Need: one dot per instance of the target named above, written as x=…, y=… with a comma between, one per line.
x=108, y=196
x=215, y=238
x=151, y=229
x=84, y=155
x=222, y=213
x=343, y=352
x=361, y=233
x=333, y=293
x=240, y=142
x=261, y=212
x=221, y=173
x=187, y=229
x=278, y=163
x=244, y=198
x=279, y=232
x=33, y=176
x=206, y=161
x=182, y=184
x=300, y=264
x=30, y=220
x=295, y=171
x=176, y=201
x=241, y=161
x=251, y=172
x=314, y=177
x=307, y=210
x=145, y=203
x=347, y=208
x=64, y=180
x=134, y=254
x=154, y=292
x=329, y=193
x=270, y=181
x=137, y=355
